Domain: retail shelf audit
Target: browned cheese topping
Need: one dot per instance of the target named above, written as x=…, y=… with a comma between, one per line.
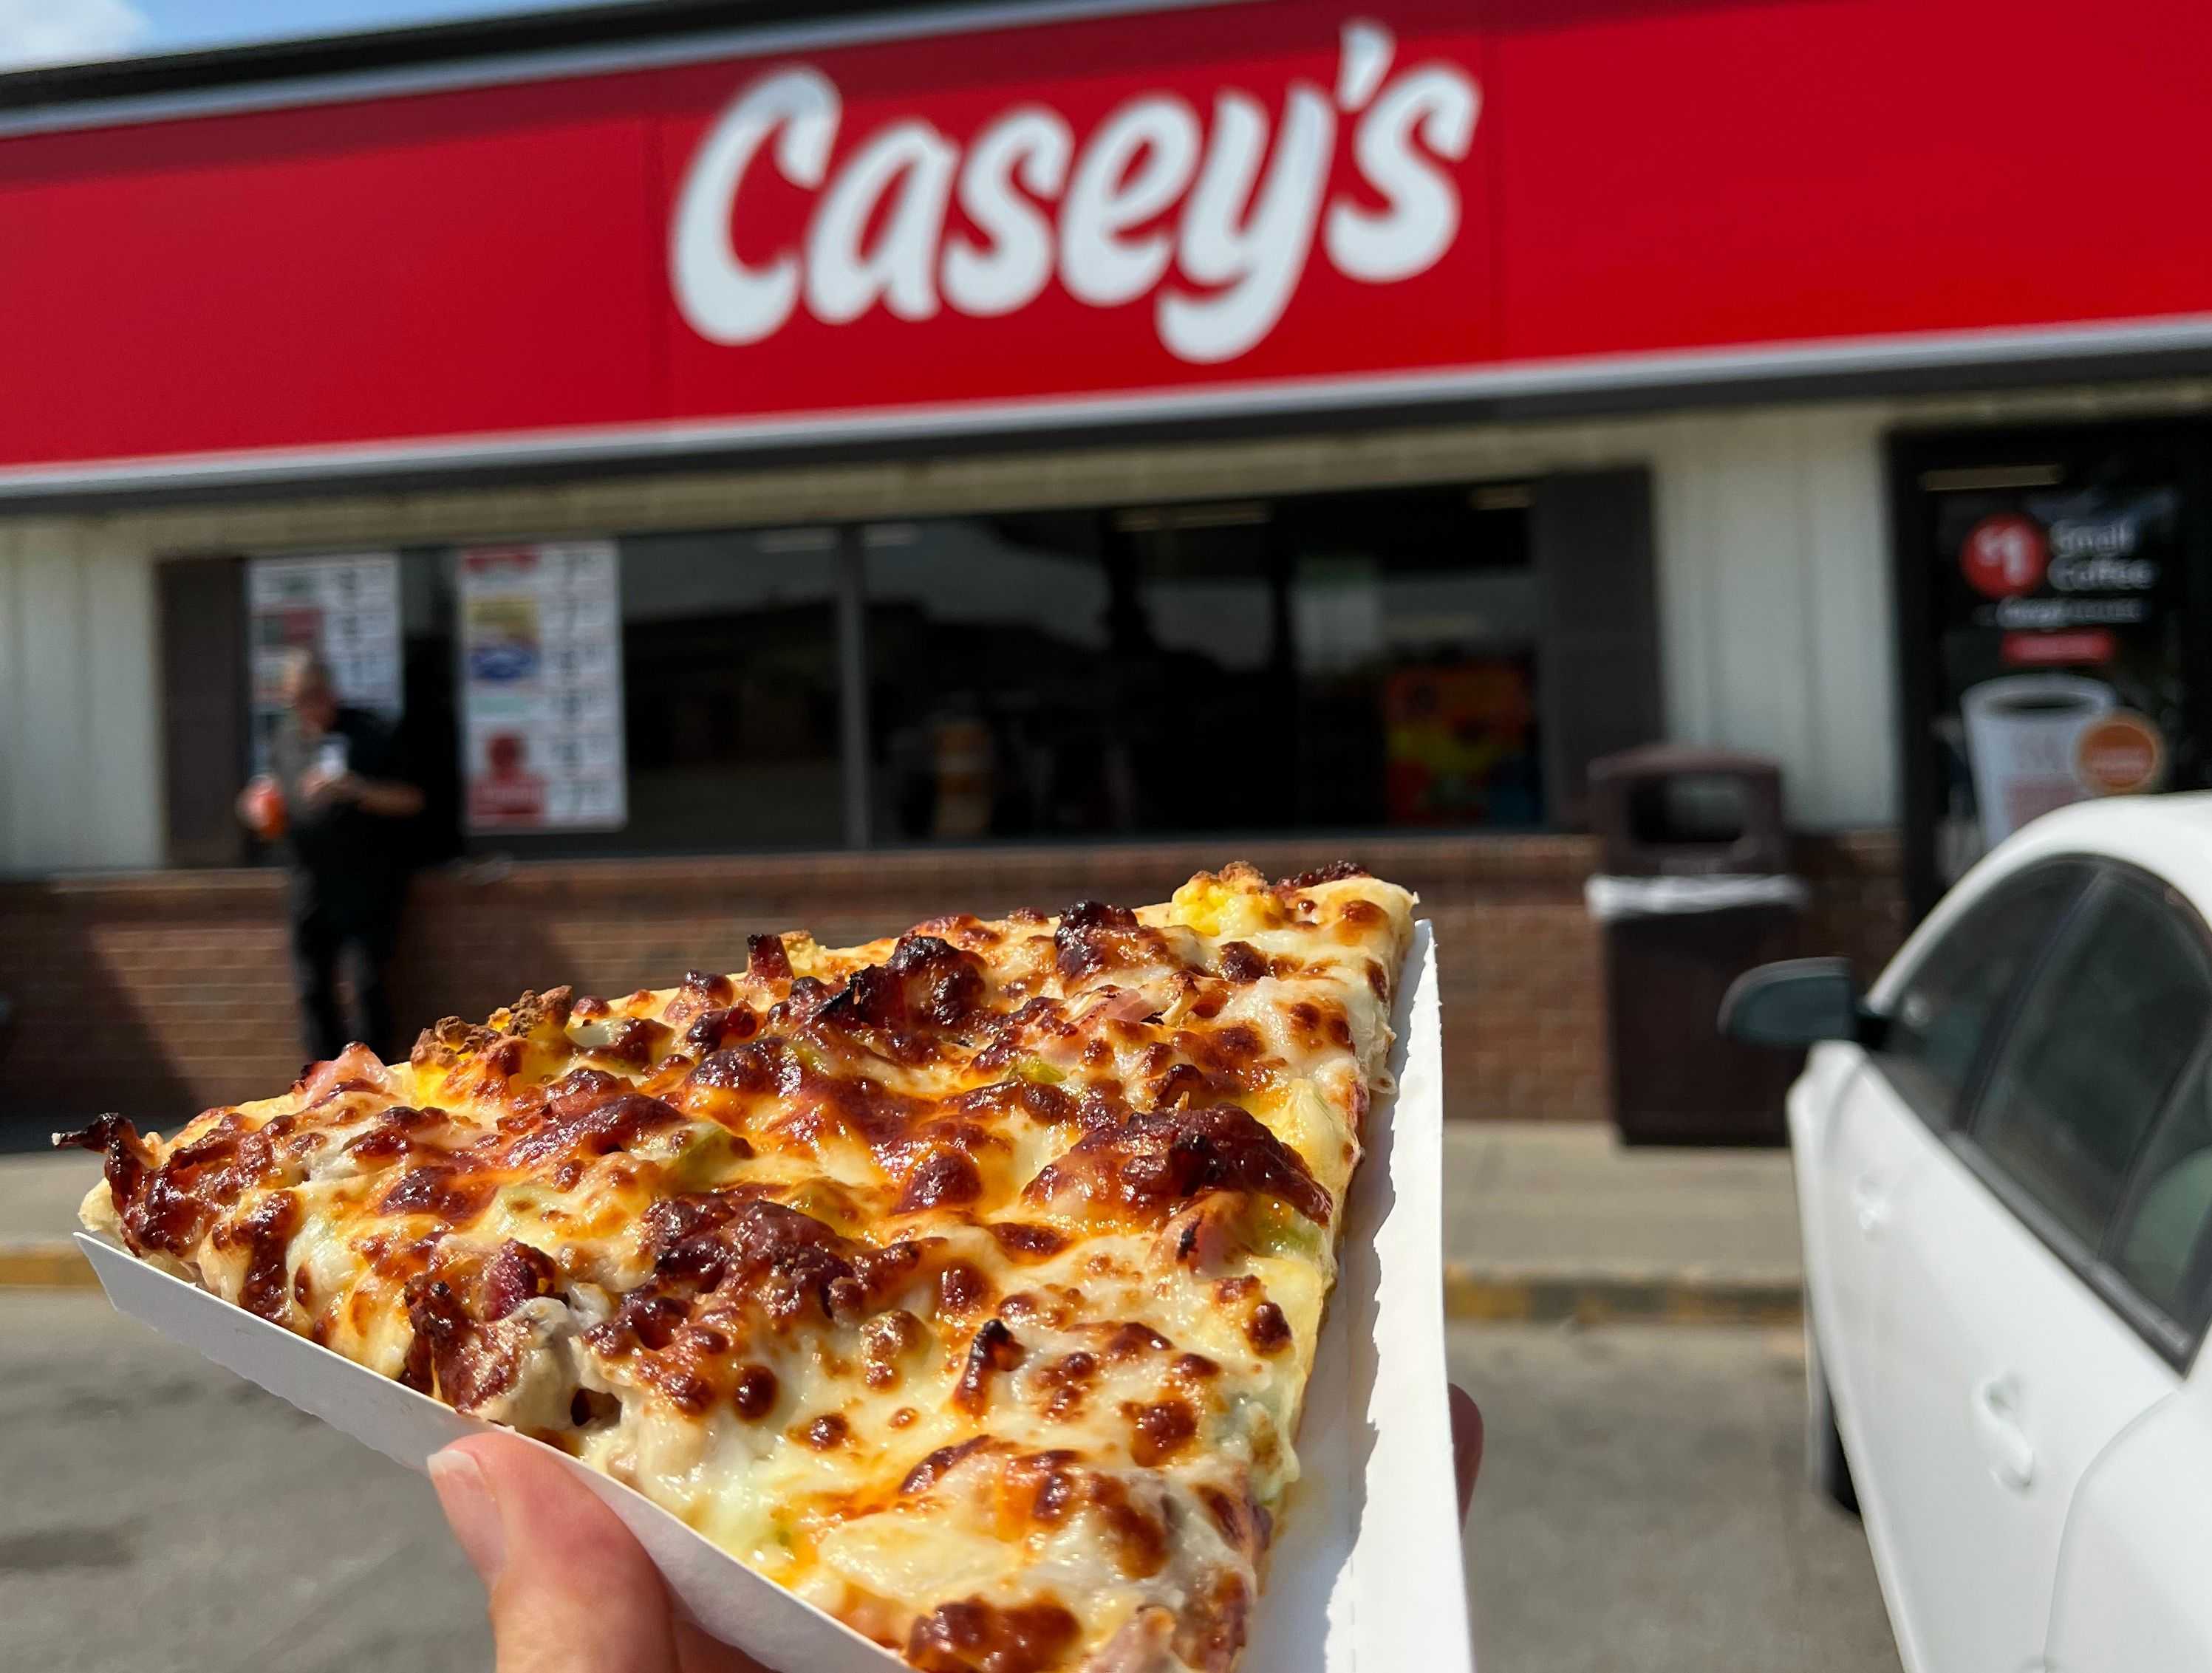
x=965, y=1282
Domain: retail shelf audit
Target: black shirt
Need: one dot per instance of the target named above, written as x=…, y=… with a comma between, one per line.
x=342, y=856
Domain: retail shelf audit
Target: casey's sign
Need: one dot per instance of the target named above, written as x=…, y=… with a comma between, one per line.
x=1211, y=216
x=910, y=225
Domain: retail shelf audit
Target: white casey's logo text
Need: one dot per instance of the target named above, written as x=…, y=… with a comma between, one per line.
x=1241, y=241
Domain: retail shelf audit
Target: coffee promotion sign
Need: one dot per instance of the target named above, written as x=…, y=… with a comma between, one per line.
x=2060, y=672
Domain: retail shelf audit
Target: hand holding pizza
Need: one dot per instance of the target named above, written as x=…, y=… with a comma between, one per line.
x=572, y=1592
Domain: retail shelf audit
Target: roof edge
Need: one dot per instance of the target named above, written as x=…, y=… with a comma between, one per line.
x=57, y=87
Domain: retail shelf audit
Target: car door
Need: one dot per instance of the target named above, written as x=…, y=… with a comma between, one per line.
x=1861, y=1125
x=2131, y=1590
x=1943, y=1007
x=2010, y=1363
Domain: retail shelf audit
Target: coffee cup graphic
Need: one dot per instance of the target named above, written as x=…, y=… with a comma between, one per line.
x=2020, y=736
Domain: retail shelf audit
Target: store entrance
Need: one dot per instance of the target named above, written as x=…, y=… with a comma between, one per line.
x=2045, y=583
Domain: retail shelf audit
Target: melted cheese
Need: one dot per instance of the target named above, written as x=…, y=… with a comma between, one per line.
x=967, y=1283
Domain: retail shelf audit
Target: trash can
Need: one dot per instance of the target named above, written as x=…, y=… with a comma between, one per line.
x=1695, y=890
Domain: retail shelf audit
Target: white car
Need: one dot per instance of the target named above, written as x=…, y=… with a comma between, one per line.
x=2004, y=1172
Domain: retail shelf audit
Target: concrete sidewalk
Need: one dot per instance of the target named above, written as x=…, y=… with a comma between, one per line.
x=1541, y=1220
x=1560, y=1221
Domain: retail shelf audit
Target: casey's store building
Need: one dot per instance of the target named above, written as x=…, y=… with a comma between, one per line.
x=829, y=470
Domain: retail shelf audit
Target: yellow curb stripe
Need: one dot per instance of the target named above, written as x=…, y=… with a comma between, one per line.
x=45, y=1266
x=1616, y=1298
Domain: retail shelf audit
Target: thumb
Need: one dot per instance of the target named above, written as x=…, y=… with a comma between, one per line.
x=572, y=1592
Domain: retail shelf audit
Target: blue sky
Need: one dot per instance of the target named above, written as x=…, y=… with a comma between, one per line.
x=74, y=31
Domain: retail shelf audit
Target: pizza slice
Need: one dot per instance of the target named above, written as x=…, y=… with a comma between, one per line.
x=967, y=1284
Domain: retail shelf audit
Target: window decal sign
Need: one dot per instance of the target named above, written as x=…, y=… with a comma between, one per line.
x=540, y=647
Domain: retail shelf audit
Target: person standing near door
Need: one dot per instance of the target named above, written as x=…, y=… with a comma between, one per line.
x=338, y=795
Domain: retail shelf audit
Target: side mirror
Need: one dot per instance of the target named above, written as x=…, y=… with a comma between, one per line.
x=1795, y=1003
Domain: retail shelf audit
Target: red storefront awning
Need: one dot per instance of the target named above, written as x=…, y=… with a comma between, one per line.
x=880, y=228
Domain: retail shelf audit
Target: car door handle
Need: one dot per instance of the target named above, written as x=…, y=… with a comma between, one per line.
x=1997, y=1422
x=1871, y=1204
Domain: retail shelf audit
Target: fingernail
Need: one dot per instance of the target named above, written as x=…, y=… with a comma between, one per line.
x=466, y=1497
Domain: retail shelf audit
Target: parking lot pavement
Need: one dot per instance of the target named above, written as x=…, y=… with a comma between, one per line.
x=1640, y=1509
x=159, y=1514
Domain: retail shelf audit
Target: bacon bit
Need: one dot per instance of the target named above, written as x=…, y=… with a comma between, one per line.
x=714, y=1029
x=763, y=1067
x=1214, y=1625
x=535, y=1013
x=1266, y=1329
x=1092, y=934
x=1185, y=1082
x=515, y=1274
x=589, y=1113
x=924, y=1474
x=392, y=1135
x=755, y=1392
x=1206, y=1233
x=355, y=1068
x=972, y=1636
x=765, y=959
x=993, y=1350
x=456, y=1355
x=1335, y=872
x=701, y=990
x=1142, y=1537
x=126, y=1157
x=1242, y=1520
x=903, y=1007
x=441, y=1191
x=266, y=1231
x=634, y=1041
x=1119, y=1004
x=172, y=1205
x=1150, y=1162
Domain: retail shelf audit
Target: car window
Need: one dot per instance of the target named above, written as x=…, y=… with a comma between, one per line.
x=1941, y=1018
x=2157, y=1246
x=2109, y=1023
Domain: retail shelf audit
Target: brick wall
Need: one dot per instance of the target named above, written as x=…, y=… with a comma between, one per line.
x=162, y=993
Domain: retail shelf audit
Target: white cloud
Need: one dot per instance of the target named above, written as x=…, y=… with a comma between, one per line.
x=34, y=32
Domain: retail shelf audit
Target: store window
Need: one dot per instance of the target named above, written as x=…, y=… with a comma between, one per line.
x=1349, y=660
x=729, y=647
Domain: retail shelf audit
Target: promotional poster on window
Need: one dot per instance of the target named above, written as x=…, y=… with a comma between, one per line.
x=343, y=608
x=541, y=688
x=2060, y=673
